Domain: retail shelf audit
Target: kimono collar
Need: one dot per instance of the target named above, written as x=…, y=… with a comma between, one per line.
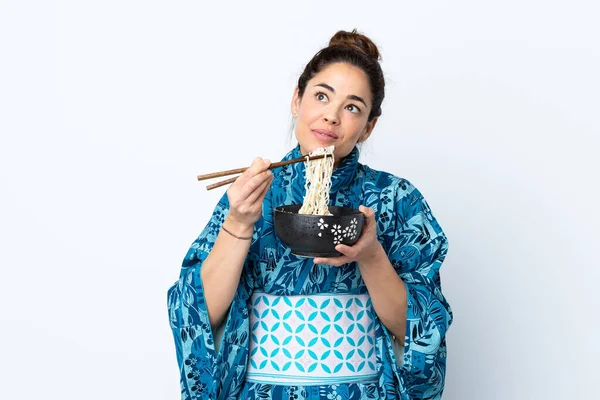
x=342, y=176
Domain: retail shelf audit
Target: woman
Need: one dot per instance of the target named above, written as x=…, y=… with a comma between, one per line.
x=317, y=328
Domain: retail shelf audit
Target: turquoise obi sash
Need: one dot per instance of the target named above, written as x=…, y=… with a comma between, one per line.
x=311, y=339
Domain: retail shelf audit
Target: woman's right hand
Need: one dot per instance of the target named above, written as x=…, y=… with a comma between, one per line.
x=246, y=194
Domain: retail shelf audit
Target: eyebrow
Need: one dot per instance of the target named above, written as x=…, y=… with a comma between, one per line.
x=351, y=96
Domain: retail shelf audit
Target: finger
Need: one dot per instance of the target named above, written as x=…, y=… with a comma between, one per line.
x=369, y=221
x=257, y=206
x=255, y=183
x=335, y=261
x=260, y=192
x=343, y=259
x=258, y=165
x=321, y=260
x=348, y=251
x=262, y=196
x=367, y=211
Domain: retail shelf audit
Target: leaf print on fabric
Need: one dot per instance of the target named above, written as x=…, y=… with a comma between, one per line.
x=417, y=251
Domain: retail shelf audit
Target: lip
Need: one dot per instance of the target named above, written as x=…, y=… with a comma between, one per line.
x=329, y=135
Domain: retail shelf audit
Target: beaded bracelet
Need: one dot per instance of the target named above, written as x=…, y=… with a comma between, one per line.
x=237, y=237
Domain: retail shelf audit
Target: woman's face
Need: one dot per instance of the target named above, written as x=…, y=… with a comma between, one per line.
x=334, y=110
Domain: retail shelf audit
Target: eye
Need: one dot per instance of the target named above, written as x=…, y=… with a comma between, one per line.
x=357, y=110
x=320, y=96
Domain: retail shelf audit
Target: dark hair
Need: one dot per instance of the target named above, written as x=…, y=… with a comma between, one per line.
x=356, y=49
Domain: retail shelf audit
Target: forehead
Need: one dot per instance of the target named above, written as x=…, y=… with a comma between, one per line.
x=345, y=79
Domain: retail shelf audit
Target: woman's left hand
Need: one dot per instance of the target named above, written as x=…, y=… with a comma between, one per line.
x=367, y=247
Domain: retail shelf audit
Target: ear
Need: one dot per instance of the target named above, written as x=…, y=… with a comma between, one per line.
x=368, y=130
x=295, y=106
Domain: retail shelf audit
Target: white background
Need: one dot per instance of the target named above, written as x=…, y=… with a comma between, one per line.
x=109, y=109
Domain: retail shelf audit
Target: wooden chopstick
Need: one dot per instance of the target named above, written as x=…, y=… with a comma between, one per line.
x=222, y=183
x=241, y=170
x=272, y=166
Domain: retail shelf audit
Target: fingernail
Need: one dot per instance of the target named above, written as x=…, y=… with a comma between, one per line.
x=267, y=162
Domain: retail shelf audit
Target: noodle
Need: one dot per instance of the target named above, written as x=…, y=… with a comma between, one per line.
x=318, y=182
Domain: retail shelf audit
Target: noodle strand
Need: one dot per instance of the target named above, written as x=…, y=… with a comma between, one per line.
x=318, y=182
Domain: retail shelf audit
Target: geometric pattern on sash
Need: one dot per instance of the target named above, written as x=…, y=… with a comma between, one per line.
x=311, y=339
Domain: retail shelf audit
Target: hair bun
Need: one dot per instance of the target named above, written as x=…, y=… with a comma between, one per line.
x=357, y=41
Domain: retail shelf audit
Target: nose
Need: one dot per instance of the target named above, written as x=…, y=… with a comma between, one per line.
x=331, y=117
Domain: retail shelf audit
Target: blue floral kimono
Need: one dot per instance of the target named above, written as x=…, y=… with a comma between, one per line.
x=415, y=245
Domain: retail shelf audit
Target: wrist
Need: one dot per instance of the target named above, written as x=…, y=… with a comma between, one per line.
x=238, y=228
x=376, y=259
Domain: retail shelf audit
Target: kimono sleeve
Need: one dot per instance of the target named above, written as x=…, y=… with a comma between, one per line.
x=188, y=315
x=417, y=252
